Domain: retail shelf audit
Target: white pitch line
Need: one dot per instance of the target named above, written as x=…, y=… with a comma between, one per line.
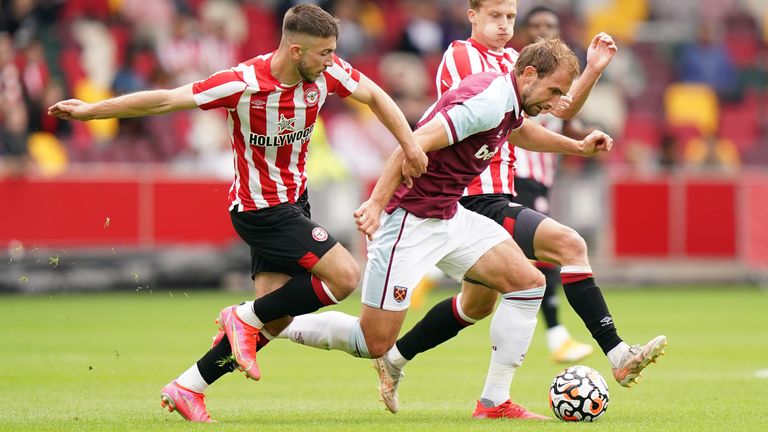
x=761, y=373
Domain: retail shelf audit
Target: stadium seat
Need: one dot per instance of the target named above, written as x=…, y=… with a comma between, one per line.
x=642, y=127
x=743, y=48
x=692, y=104
x=48, y=153
x=739, y=123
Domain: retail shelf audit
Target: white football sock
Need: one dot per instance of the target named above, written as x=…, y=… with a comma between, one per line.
x=246, y=313
x=556, y=337
x=192, y=380
x=330, y=330
x=397, y=359
x=615, y=354
x=511, y=332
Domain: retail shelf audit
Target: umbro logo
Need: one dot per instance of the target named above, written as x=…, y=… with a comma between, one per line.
x=606, y=321
x=258, y=104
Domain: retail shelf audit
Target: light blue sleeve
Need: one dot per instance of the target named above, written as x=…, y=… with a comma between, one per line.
x=480, y=112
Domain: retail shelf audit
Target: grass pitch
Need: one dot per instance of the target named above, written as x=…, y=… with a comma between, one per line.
x=97, y=363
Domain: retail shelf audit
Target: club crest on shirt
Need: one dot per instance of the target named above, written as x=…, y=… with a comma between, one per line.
x=400, y=293
x=311, y=96
x=319, y=234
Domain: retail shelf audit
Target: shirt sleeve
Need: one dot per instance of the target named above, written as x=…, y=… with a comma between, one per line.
x=220, y=90
x=341, y=77
x=478, y=113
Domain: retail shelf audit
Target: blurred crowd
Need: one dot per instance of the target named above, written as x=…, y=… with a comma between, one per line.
x=688, y=89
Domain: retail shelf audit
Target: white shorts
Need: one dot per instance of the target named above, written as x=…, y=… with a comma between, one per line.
x=406, y=247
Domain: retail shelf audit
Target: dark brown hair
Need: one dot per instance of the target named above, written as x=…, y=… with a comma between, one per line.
x=546, y=56
x=310, y=20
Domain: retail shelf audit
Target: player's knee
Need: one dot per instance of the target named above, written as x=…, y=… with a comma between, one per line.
x=530, y=278
x=536, y=279
x=345, y=279
x=573, y=246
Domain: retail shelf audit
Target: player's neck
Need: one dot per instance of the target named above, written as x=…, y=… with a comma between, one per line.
x=486, y=46
x=283, y=69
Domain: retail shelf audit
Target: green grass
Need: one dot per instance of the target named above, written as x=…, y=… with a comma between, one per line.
x=97, y=362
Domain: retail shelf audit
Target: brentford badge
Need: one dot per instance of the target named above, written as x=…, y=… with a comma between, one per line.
x=400, y=293
x=311, y=96
x=319, y=234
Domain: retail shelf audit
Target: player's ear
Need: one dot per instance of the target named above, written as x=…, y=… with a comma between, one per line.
x=530, y=72
x=471, y=15
x=295, y=51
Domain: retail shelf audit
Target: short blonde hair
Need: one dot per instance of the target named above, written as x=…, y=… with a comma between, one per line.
x=477, y=4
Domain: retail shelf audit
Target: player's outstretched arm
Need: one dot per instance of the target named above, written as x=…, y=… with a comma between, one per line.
x=534, y=137
x=431, y=136
x=599, y=55
x=390, y=115
x=138, y=104
x=367, y=215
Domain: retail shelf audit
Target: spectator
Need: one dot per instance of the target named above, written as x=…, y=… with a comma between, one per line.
x=13, y=120
x=706, y=60
x=423, y=33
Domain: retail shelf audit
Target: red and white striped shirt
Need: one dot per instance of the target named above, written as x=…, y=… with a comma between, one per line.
x=270, y=125
x=464, y=58
x=538, y=166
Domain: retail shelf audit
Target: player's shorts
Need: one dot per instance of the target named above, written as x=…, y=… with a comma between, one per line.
x=532, y=194
x=283, y=238
x=405, y=247
x=521, y=222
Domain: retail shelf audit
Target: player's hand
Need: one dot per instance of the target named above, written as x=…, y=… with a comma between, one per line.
x=367, y=218
x=71, y=109
x=414, y=165
x=597, y=141
x=601, y=51
x=562, y=105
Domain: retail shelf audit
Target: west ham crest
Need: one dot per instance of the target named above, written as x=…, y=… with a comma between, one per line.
x=400, y=293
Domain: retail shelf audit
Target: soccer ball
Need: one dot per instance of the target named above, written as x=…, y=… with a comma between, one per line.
x=578, y=393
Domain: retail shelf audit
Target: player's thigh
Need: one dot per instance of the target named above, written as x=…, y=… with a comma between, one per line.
x=403, y=249
x=472, y=235
x=556, y=243
x=338, y=269
x=477, y=301
x=519, y=221
x=505, y=269
x=283, y=239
